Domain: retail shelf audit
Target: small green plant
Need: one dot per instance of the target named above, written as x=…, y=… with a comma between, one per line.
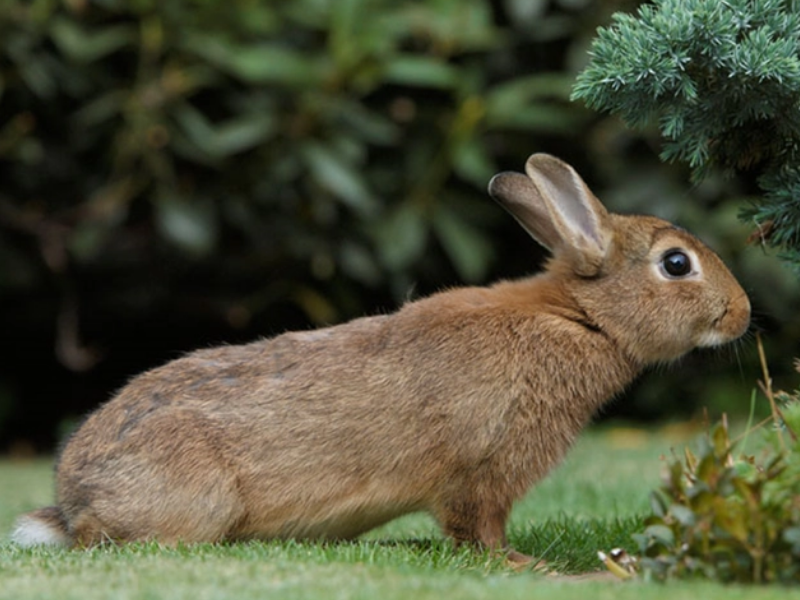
x=726, y=514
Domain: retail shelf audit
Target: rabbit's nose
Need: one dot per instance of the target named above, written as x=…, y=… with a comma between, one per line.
x=737, y=317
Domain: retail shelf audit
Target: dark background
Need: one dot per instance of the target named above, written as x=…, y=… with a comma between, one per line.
x=178, y=175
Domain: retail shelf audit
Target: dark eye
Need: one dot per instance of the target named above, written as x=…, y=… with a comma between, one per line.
x=676, y=263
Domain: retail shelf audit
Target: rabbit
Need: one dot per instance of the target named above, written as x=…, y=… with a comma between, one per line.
x=456, y=404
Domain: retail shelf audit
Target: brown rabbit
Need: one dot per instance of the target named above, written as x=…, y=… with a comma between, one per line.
x=454, y=405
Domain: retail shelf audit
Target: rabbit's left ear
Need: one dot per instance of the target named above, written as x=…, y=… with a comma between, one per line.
x=555, y=206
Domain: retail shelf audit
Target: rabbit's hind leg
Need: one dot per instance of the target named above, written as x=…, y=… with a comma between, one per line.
x=173, y=487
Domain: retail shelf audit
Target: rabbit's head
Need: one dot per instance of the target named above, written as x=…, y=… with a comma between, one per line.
x=654, y=288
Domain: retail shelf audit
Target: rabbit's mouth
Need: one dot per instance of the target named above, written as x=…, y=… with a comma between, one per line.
x=713, y=337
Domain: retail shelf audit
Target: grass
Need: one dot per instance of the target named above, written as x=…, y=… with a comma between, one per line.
x=592, y=502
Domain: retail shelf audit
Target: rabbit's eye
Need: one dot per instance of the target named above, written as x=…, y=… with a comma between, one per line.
x=676, y=263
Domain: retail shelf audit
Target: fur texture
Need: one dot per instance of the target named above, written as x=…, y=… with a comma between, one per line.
x=456, y=404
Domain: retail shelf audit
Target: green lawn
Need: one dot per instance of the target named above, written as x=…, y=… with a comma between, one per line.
x=592, y=502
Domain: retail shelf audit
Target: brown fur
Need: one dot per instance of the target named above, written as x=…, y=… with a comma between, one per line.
x=454, y=405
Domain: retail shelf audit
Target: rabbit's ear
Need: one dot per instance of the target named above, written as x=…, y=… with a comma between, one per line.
x=518, y=195
x=555, y=206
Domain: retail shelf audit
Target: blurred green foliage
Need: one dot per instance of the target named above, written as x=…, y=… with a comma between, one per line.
x=183, y=173
x=323, y=132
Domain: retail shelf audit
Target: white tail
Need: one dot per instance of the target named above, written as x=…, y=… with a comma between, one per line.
x=30, y=530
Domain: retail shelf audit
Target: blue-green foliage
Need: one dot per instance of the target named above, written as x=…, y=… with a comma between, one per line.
x=722, y=80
